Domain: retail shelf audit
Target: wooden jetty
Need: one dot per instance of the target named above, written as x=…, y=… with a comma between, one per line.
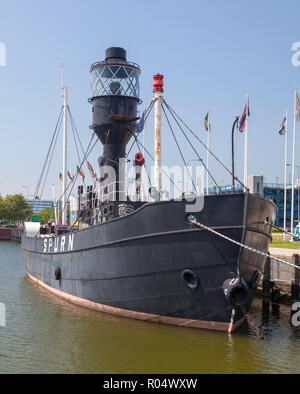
x=280, y=281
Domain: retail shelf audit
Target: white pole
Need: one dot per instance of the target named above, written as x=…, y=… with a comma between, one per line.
x=285, y=170
x=246, y=146
x=207, y=160
x=58, y=203
x=158, y=90
x=65, y=142
x=143, y=170
x=144, y=133
x=54, y=203
x=293, y=167
x=157, y=164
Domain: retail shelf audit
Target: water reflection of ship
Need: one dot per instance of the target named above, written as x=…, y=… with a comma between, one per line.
x=142, y=258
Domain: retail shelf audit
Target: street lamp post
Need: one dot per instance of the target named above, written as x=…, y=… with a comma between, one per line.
x=235, y=124
x=197, y=178
x=27, y=188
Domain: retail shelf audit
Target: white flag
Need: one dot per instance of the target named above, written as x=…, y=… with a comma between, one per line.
x=282, y=128
x=297, y=114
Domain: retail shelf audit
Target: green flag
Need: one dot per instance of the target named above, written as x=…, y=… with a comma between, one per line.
x=206, y=122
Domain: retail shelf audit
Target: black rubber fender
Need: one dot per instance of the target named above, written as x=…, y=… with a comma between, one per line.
x=236, y=291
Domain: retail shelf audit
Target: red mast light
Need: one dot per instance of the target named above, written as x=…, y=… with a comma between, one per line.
x=158, y=83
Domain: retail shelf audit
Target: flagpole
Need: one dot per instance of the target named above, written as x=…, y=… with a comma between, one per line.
x=54, y=202
x=293, y=167
x=246, y=145
x=59, y=202
x=207, y=128
x=285, y=172
x=207, y=160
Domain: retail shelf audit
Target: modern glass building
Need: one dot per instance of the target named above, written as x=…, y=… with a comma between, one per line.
x=275, y=191
x=39, y=205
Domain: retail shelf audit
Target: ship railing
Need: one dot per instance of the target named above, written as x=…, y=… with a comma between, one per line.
x=123, y=191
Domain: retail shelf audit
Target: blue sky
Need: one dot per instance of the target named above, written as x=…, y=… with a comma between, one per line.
x=210, y=53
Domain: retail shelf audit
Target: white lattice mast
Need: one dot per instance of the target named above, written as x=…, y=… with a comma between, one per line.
x=157, y=90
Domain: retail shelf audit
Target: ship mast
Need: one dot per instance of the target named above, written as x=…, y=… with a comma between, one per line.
x=157, y=90
x=65, y=141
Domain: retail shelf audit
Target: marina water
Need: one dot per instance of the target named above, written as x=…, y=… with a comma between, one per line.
x=44, y=334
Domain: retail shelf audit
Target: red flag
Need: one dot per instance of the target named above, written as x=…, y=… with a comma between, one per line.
x=69, y=175
x=91, y=169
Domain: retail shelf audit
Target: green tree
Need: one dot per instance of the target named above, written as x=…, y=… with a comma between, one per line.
x=15, y=208
x=2, y=209
x=45, y=215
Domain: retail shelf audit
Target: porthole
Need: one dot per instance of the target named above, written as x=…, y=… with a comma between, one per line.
x=190, y=278
x=57, y=274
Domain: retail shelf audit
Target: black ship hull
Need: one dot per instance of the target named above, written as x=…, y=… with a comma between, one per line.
x=134, y=265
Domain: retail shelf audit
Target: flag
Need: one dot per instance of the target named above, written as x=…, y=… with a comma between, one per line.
x=282, y=128
x=79, y=171
x=297, y=113
x=206, y=122
x=140, y=126
x=69, y=175
x=243, y=117
x=91, y=169
x=61, y=177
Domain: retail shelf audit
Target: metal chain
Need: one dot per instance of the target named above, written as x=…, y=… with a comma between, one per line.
x=192, y=219
x=252, y=324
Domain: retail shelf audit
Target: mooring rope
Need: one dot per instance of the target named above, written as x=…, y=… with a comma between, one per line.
x=281, y=229
x=193, y=220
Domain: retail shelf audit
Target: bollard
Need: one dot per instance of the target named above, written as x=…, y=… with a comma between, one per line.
x=275, y=299
x=267, y=284
x=295, y=285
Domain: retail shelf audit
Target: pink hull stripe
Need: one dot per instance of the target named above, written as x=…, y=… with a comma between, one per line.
x=209, y=325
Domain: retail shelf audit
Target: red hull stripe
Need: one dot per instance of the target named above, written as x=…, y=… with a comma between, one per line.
x=209, y=325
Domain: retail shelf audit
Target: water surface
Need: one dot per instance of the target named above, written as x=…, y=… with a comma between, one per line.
x=45, y=334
